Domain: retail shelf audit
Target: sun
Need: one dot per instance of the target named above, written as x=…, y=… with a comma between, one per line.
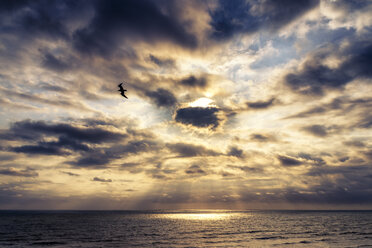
x=203, y=102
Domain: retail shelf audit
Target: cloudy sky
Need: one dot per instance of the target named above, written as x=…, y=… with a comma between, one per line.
x=244, y=104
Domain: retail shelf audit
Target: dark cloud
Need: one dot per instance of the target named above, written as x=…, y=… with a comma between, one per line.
x=198, y=116
x=38, y=150
x=70, y=173
x=102, y=180
x=162, y=97
x=341, y=104
x=311, y=158
x=247, y=169
x=195, y=170
x=116, y=21
x=68, y=143
x=314, y=77
x=54, y=63
x=28, y=172
x=68, y=132
x=316, y=130
x=70, y=138
x=44, y=21
x=97, y=159
x=236, y=152
x=162, y=62
x=12, y=5
x=234, y=17
x=260, y=137
x=355, y=143
x=189, y=150
x=365, y=121
x=348, y=5
x=309, y=112
x=101, y=157
x=51, y=87
x=137, y=146
x=41, y=19
x=261, y=104
x=289, y=161
x=192, y=81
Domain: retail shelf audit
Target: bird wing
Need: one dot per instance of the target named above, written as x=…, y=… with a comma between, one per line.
x=122, y=90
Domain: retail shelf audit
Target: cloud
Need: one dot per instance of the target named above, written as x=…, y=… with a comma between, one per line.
x=311, y=158
x=198, y=116
x=42, y=20
x=195, y=170
x=261, y=104
x=101, y=157
x=38, y=150
x=54, y=63
x=70, y=139
x=231, y=18
x=235, y=152
x=28, y=172
x=365, y=122
x=116, y=21
x=95, y=160
x=68, y=143
x=67, y=131
x=355, y=143
x=309, y=112
x=192, y=81
x=162, y=97
x=190, y=150
x=288, y=161
x=316, y=130
x=162, y=62
x=314, y=77
x=70, y=173
x=259, y=137
x=102, y=180
x=61, y=101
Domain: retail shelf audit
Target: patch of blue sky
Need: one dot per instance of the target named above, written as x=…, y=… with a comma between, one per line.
x=284, y=52
x=322, y=35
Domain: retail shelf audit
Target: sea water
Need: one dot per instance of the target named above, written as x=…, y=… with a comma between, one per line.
x=191, y=228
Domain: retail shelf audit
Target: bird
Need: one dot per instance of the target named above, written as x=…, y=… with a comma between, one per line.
x=122, y=90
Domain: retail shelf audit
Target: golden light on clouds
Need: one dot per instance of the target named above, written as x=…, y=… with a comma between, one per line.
x=225, y=107
x=203, y=102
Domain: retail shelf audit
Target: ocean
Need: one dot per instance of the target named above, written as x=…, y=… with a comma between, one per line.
x=191, y=228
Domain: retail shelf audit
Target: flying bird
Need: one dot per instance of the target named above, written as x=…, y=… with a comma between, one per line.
x=122, y=90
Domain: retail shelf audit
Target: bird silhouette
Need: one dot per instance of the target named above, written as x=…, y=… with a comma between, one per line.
x=122, y=90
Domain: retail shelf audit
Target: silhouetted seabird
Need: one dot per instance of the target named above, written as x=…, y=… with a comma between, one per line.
x=122, y=90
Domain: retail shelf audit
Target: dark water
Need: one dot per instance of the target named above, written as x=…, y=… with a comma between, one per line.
x=186, y=229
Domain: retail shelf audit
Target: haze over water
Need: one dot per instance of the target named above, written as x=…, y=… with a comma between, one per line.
x=191, y=228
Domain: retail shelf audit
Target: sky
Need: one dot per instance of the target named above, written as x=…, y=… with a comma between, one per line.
x=244, y=104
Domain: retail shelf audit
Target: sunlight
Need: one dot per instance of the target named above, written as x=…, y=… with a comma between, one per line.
x=201, y=102
x=198, y=216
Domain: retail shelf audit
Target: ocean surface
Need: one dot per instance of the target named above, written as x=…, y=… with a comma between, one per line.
x=186, y=228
